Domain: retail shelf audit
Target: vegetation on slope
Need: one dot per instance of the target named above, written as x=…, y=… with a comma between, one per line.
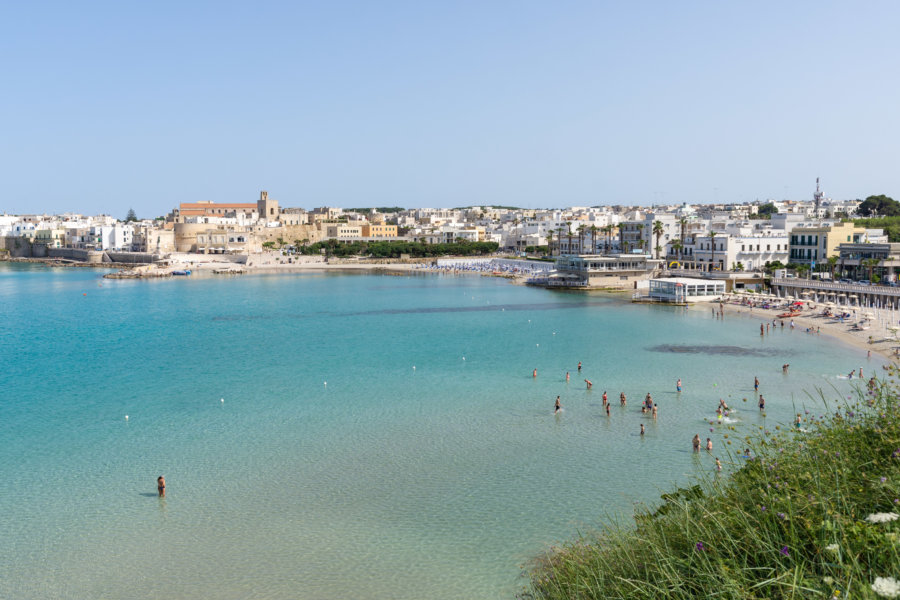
x=813, y=514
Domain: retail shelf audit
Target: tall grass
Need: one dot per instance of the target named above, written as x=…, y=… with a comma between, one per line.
x=791, y=522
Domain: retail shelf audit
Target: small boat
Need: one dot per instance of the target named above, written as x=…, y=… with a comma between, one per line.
x=182, y=273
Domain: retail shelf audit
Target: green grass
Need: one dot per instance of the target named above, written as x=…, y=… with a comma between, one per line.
x=790, y=523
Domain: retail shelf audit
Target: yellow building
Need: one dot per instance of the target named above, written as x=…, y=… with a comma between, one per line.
x=371, y=230
x=811, y=245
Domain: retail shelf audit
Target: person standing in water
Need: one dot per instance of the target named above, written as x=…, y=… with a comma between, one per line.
x=642, y=429
x=579, y=366
x=708, y=445
x=557, y=407
x=696, y=443
x=678, y=386
x=762, y=403
x=718, y=464
x=589, y=383
x=567, y=377
x=604, y=398
x=161, y=486
x=622, y=398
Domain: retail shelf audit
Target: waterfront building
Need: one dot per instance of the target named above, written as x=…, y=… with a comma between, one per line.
x=620, y=271
x=682, y=290
x=815, y=243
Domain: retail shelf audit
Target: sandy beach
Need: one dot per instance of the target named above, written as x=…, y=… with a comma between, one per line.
x=877, y=339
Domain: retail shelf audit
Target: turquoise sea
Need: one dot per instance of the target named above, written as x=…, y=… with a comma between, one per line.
x=349, y=436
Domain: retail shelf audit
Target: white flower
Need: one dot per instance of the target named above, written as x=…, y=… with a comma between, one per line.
x=886, y=587
x=832, y=547
x=882, y=517
x=828, y=580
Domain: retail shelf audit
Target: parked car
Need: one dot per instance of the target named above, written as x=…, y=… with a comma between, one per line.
x=846, y=281
x=864, y=282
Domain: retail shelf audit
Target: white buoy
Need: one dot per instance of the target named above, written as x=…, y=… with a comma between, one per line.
x=126, y=417
x=326, y=383
x=464, y=358
x=414, y=367
x=537, y=344
x=221, y=399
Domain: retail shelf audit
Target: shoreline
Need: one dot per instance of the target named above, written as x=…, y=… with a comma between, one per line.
x=840, y=332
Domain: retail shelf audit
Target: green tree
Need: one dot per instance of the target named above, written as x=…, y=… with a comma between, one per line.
x=870, y=264
x=594, y=229
x=879, y=205
x=712, y=245
x=767, y=210
x=131, y=216
x=832, y=262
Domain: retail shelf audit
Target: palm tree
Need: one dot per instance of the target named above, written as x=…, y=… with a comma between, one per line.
x=640, y=228
x=870, y=264
x=607, y=229
x=569, y=234
x=550, y=242
x=581, y=229
x=657, y=231
x=593, y=229
x=683, y=222
x=677, y=246
x=832, y=262
x=712, y=245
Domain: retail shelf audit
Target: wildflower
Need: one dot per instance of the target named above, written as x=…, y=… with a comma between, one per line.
x=832, y=547
x=882, y=517
x=782, y=516
x=784, y=551
x=700, y=547
x=883, y=479
x=828, y=580
x=762, y=508
x=886, y=587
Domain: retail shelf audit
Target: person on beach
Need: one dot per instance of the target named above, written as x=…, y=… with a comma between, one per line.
x=755, y=384
x=589, y=383
x=557, y=407
x=579, y=366
x=762, y=403
x=696, y=443
x=161, y=486
x=534, y=373
x=678, y=386
x=604, y=398
x=708, y=445
x=642, y=429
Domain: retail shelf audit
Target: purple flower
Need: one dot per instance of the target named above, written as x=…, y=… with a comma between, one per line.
x=784, y=551
x=895, y=453
x=762, y=508
x=700, y=547
x=883, y=479
x=782, y=516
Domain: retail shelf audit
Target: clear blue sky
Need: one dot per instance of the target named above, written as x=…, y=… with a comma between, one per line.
x=107, y=106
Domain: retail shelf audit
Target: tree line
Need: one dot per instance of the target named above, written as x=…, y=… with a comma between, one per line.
x=394, y=249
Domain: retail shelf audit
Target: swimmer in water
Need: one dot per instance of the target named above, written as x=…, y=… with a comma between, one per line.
x=654, y=411
x=642, y=429
x=579, y=366
x=722, y=404
x=607, y=410
x=696, y=443
x=622, y=399
x=534, y=373
x=799, y=423
x=567, y=376
x=557, y=407
x=161, y=486
x=755, y=384
x=604, y=398
x=718, y=464
x=589, y=383
x=762, y=403
x=708, y=445
x=678, y=386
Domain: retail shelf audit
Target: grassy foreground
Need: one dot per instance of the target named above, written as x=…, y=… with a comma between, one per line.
x=811, y=515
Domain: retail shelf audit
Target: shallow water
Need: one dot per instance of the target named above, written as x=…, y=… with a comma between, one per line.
x=430, y=464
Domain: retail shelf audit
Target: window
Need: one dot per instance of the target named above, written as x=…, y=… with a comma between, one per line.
x=768, y=247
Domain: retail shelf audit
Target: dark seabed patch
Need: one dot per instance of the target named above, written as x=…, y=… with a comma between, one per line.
x=418, y=310
x=717, y=350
